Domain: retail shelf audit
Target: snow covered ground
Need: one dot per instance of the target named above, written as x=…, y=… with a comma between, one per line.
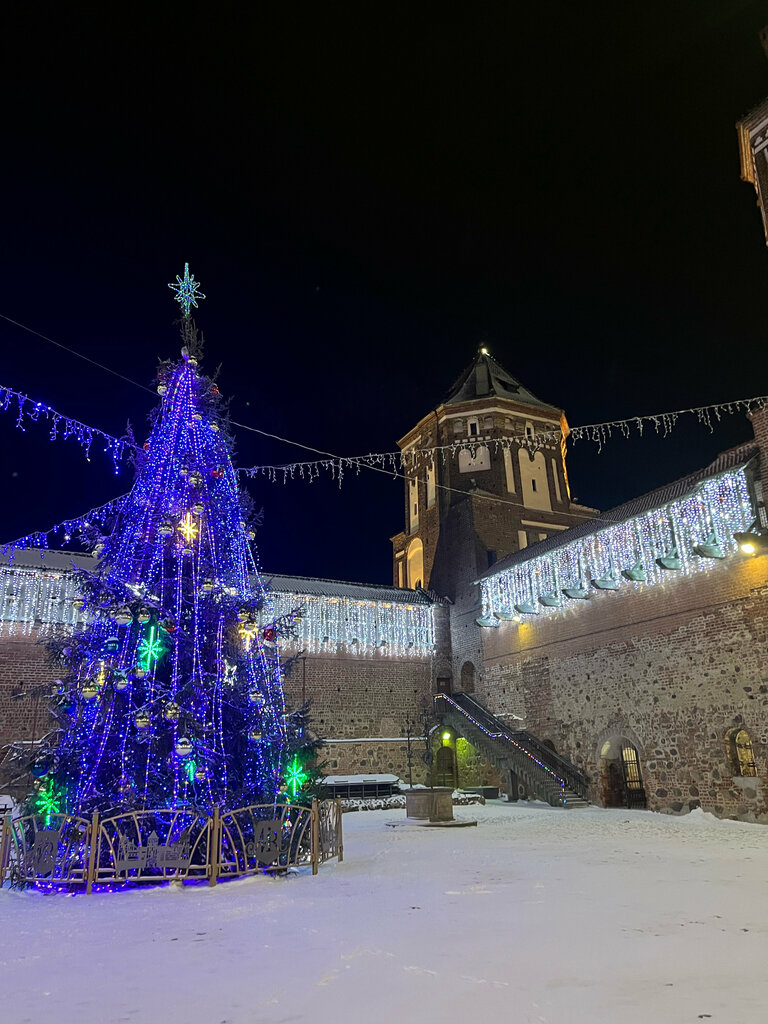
x=537, y=914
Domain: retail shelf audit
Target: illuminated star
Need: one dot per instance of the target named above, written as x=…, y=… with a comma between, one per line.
x=295, y=776
x=151, y=648
x=47, y=802
x=188, y=528
x=187, y=291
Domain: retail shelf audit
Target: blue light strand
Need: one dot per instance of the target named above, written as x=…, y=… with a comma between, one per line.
x=78, y=527
x=199, y=580
x=28, y=411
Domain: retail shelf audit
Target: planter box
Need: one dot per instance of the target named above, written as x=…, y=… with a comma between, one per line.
x=429, y=804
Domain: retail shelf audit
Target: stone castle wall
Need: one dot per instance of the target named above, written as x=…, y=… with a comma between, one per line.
x=360, y=705
x=672, y=668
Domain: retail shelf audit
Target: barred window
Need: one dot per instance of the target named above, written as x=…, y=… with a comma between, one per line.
x=740, y=752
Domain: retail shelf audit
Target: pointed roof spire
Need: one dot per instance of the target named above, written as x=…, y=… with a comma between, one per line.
x=485, y=378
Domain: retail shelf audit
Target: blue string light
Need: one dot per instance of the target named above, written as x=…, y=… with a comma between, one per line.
x=79, y=529
x=28, y=411
x=176, y=564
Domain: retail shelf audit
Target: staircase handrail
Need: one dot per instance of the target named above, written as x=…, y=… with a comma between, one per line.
x=560, y=769
x=495, y=733
x=575, y=778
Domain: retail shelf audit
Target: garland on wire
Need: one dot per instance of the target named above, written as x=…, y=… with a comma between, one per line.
x=64, y=426
x=412, y=458
x=83, y=528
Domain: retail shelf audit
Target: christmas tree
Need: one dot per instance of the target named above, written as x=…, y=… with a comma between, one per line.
x=171, y=694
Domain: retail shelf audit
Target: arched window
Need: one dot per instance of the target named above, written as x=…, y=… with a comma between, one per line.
x=533, y=477
x=468, y=677
x=415, y=564
x=473, y=462
x=740, y=752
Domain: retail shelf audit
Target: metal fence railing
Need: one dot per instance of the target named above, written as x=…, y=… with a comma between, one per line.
x=61, y=851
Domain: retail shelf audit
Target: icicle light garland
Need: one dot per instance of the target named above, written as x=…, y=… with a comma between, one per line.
x=625, y=554
x=62, y=426
x=413, y=458
x=37, y=598
x=71, y=529
x=329, y=623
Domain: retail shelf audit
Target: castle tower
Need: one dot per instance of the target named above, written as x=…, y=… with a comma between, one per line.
x=504, y=486
x=752, y=131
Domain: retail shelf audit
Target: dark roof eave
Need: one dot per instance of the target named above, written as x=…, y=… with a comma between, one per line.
x=315, y=587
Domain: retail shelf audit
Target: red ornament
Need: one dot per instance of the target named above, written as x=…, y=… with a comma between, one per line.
x=215, y=390
x=146, y=446
x=269, y=634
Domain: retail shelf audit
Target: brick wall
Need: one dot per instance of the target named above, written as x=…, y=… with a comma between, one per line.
x=671, y=667
x=360, y=705
x=23, y=666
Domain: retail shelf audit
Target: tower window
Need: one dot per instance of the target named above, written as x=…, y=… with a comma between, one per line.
x=534, y=485
x=529, y=432
x=473, y=427
x=413, y=505
x=488, y=423
x=458, y=426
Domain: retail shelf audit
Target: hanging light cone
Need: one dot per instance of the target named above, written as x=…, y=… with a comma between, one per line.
x=635, y=573
x=605, y=583
x=551, y=600
x=527, y=607
x=577, y=593
x=489, y=621
x=670, y=561
x=505, y=614
x=709, y=548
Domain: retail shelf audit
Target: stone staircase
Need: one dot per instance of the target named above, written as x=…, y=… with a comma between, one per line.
x=534, y=771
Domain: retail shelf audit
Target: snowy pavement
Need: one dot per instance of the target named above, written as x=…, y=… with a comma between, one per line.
x=538, y=914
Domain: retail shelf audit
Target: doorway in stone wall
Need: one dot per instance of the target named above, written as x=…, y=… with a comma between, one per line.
x=620, y=775
x=445, y=767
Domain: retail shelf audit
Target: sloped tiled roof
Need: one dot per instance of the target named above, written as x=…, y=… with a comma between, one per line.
x=485, y=378
x=45, y=558
x=339, y=588
x=732, y=459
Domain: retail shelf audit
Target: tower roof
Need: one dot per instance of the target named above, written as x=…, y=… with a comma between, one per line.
x=485, y=378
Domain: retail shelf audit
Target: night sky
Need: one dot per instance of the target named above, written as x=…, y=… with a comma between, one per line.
x=365, y=196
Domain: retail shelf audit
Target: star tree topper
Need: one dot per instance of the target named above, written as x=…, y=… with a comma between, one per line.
x=187, y=291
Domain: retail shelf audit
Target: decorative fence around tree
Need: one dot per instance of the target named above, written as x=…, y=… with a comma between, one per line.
x=60, y=851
